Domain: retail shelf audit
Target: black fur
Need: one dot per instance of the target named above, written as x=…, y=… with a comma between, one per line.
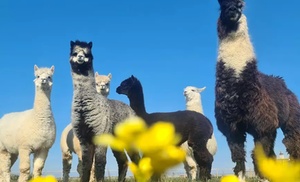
x=193, y=126
x=231, y=11
x=255, y=103
x=87, y=66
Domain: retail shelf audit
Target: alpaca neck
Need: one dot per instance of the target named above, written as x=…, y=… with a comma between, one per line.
x=84, y=83
x=42, y=102
x=194, y=105
x=136, y=99
x=235, y=47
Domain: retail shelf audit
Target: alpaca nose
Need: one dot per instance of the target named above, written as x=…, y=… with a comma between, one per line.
x=80, y=56
x=232, y=8
x=44, y=80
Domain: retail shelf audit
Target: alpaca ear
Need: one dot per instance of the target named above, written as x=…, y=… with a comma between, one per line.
x=201, y=89
x=96, y=73
x=35, y=67
x=72, y=44
x=132, y=78
x=90, y=44
x=52, y=69
x=109, y=76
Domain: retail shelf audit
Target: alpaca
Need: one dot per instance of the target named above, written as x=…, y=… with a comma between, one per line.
x=193, y=103
x=192, y=126
x=30, y=131
x=103, y=83
x=248, y=101
x=69, y=143
x=93, y=114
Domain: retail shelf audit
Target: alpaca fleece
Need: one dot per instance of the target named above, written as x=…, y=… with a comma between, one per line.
x=192, y=126
x=69, y=143
x=30, y=131
x=194, y=103
x=93, y=114
x=248, y=101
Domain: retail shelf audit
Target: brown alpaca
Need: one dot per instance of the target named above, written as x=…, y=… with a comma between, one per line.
x=248, y=101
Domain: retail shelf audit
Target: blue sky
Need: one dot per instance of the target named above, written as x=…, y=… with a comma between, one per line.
x=167, y=44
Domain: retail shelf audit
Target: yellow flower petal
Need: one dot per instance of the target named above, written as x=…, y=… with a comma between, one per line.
x=110, y=140
x=143, y=171
x=130, y=128
x=169, y=157
x=158, y=136
x=44, y=179
x=230, y=178
x=276, y=170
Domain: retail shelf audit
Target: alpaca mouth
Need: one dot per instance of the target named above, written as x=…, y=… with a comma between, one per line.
x=80, y=61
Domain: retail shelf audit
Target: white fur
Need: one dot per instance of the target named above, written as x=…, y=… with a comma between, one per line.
x=69, y=143
x=235, y=50
x=30, y=131
x=194, y=103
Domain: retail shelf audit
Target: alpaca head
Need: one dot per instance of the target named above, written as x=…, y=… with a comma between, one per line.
x=103, y=83
x=127, y=85
x=43, y=77
x=231, y=10
x=192, y=93
x=81, y=57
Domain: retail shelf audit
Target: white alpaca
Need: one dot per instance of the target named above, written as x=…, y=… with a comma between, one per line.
x=194, y=103
x=30, y=131
x=69, y=143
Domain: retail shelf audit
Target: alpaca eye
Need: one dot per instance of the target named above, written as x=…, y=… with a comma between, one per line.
x=38, y=76
x=49, y=77
x=74, y=54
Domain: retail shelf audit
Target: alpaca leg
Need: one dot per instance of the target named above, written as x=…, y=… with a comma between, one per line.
x=100, y=162
x=291, y=130
x=79, y=167
x=39, y=161
x=67, y=163
x=92, y=175
x=24, y=155
x=236, y=143
x=134, y=157
x=292, y=144
x=204, y=160
x=267, y=141
x=122, y=164
x=87, y=159
x=187, y=169
x=190, y=166
x=5, y=166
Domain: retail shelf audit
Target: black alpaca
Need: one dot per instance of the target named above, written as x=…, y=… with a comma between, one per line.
x=248, y=101
x=193, y=127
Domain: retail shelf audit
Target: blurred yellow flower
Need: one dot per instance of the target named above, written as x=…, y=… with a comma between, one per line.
x=276, y=170
x=166, y=158
x=143, y=171
x=44, y=179
x=125, y=134
x=157, y=144
x=160, y=135
x=230, y=178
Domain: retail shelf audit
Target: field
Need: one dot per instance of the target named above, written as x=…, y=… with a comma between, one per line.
x=166, y=179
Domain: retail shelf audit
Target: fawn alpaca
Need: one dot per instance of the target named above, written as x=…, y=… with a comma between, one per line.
x=30, y=131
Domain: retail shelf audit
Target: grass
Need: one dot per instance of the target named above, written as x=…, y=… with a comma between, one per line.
x=14, y=178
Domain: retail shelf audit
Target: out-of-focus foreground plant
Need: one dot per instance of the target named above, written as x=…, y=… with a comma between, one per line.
x=156, y=143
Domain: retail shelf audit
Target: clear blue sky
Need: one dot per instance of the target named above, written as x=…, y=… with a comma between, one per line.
x=167, y=44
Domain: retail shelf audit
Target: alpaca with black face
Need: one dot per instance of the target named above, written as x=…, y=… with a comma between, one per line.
x=192, y=126
x=93, y=114
x=248, y=101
